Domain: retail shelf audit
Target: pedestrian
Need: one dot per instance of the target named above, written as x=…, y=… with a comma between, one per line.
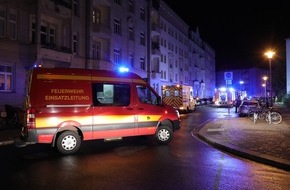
x=238, y=103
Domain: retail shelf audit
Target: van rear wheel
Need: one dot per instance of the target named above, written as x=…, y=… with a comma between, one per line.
x=164, y=134
x=68, y=142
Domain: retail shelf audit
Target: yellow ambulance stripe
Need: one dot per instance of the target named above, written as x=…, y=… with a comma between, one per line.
x=55, y=121
x=143, y=118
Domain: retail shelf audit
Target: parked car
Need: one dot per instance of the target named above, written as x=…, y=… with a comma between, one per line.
x=246, y=105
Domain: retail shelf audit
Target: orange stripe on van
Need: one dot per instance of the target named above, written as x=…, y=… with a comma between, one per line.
x=110, y=79
x=63, y=77
x=80, y=77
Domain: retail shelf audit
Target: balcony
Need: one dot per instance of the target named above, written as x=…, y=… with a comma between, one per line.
x=155, y=30
x=102, y=30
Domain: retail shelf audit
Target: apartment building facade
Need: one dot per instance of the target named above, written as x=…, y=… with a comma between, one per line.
x=146, y=36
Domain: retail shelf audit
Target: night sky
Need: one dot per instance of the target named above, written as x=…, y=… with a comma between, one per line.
x=239, y=31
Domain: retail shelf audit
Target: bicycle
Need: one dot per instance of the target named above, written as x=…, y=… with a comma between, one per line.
x=267, y=114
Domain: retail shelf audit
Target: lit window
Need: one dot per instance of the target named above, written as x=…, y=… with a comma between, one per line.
x=96, y=16
x=5, y=78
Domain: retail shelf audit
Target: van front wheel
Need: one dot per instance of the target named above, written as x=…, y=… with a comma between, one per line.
x=164, y=134
x=68, y=142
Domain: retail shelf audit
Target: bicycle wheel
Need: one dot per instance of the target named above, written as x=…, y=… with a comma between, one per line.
x=250, y=114
x=276, y=117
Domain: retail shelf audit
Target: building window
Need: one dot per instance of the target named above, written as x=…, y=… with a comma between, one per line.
x=131, y=33
x=76, y=9
x=6, y=78
x=52, y=36
x=96, y=51
x=142, y=63
x=12, y=24
x=43, y=34
x=96, y=16
x=2, y=22
x=131, y=60
x=142, y=14
x=47, y=34
x=117, y=27
x=131, y=6
x=75, y=43
x=33, y=33
x=117, y=56
x=142, y=38
x=118, y=2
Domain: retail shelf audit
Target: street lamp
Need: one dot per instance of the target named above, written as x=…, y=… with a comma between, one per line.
x=270, y=55
x=241, y=83
x=264, y=85
x=265, y=78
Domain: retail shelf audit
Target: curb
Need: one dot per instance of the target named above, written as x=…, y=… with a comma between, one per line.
x=251, y=155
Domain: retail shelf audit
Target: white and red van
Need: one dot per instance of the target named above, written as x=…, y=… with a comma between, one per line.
x=66, y=106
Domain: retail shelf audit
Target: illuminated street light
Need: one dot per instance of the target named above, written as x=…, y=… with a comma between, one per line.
x=265, y=78
x=270, y=55
x=241, y=83
x=264, y=85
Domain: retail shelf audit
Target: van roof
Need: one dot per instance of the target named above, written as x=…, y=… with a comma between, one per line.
x=85, y=72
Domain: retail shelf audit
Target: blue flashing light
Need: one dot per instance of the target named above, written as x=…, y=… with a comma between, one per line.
x=123, y=69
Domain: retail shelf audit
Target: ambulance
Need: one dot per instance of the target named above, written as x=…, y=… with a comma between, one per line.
x=66, y=106
x=180, y=97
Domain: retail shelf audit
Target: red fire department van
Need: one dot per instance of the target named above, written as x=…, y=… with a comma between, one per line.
x=65, y=107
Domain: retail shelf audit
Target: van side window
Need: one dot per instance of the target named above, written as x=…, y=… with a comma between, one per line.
x=111, y=94
x=145, y=95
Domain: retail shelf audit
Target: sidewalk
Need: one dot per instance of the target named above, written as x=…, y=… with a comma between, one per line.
x=260, y=142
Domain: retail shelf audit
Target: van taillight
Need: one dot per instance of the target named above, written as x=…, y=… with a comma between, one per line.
x=31, y=118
